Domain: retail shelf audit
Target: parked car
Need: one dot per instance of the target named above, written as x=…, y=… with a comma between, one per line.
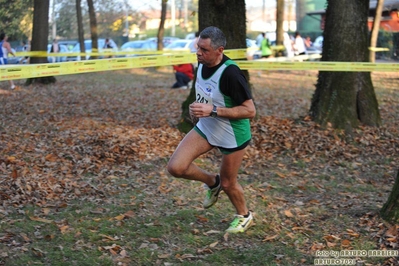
x=252, y=48
x=57, y=59
x=166, y=40
x=187, y=45
x=88, y=48
x=68, y=44
x=140, y=45
x=190, y=36
x=50, y=59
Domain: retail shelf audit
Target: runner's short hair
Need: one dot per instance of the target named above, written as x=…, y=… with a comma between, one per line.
x=216, y=35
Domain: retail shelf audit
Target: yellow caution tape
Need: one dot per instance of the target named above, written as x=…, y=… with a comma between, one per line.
x=110, y=52
x=378, y=49
x=11, y=72
x=105, y=52
x=320, y=66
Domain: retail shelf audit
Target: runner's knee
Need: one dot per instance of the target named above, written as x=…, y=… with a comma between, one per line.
x=175, y=169
x=228, y=185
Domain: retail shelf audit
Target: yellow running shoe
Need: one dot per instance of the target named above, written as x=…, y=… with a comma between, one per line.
x=240, y=223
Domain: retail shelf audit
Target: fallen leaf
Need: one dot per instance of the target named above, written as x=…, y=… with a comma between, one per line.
x=119, y=217
x=288, y=213
x=51, y=158
x=129, y=214
x=38, y=219
x=345, y=243
x=270, y=238
x=214, y=244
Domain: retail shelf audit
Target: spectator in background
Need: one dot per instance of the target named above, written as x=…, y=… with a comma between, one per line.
x=308, y=43
x=195, y=46
x=55, y=48
x=299, y=44
x=4, y=51
x=259, y=39
x=265, y=47
x=25, y=48
x=184, y=74
x=108, y=44
x=289, y=45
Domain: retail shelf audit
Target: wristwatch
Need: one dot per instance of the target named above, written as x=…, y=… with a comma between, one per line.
x=214, y=112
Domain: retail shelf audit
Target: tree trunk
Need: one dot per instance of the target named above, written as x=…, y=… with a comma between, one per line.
x=93, y=28
x=80, y=28
x=229, y=16
x=280, y=22
x=40, y=37
x=375, y=29
x=161, y=28
x=345, y=99
x=301, y=14
x=390, y=210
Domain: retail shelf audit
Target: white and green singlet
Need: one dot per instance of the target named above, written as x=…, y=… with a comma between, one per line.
x=223, y=86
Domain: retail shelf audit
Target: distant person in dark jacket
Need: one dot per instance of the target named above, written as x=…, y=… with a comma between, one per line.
x=108, y=44
x=55, y=48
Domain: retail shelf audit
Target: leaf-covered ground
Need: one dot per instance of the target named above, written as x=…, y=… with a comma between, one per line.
x=90, y=137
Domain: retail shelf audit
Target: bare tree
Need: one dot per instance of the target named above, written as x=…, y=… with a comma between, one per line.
x=80, y=27
x=280, y=22
x=40, y=37
x=375, y=29
x=161, y=28
x=345, y=99
x=93, y=28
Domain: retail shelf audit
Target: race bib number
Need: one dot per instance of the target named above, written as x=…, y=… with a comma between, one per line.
x=203, y=95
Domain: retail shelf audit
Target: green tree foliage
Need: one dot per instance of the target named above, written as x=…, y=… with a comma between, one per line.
x=67, y=26
x=109, y=15
x=12, y=14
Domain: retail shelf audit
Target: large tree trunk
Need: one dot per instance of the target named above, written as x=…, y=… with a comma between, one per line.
x=375, y=29
x=80, y=27
x=390, y=210
x=93, y=28
x=161, y=28
x=345, y=99
x=229, y=16
x=40, y=37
